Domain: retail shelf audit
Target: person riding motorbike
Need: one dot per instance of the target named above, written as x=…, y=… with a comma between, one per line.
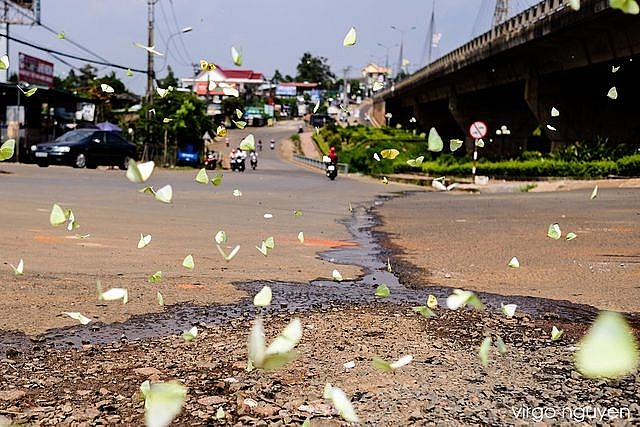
x=272, y=143
x=333, y=155
x=259, y=145
x=331, y=164
x=253, y=159
x=238, y=161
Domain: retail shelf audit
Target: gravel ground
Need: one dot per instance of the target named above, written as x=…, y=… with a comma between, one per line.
x=444, y=385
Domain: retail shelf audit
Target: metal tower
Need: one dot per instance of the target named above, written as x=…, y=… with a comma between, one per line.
x=17, y=12
x=501, y=12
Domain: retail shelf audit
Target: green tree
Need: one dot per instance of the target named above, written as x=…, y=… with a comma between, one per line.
x=229, y=106
x=180, y=114
x=169, y=80
x=278, y=77
x=314, y=69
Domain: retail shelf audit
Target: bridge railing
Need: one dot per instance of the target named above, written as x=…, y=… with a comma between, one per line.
x=342, y=167
x=475, y=48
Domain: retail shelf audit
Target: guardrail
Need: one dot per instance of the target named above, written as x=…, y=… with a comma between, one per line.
x=342, y=167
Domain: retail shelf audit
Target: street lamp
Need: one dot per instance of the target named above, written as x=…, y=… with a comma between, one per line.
x=386, y=62
x=401, y=45
x=171, y=36
x=503, y=131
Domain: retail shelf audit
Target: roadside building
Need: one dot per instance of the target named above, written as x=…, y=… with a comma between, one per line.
x=41, y=117
x=375, y=74
x=217, y=84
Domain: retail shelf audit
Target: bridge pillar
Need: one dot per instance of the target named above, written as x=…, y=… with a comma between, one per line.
x=436, y=114
x=496, y=106
x=580, y=95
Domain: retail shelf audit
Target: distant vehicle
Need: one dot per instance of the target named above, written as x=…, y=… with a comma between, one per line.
x=187, y=155
x=85, y=148
x=319, y=120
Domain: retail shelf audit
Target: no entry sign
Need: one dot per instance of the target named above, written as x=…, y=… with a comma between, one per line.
x=478, y=130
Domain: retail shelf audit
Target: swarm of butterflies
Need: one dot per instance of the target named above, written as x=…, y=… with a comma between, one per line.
x=607, y=350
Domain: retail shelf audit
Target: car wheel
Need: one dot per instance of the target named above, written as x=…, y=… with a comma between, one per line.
x=43, y=165
x=81, y=161
x=124, y=164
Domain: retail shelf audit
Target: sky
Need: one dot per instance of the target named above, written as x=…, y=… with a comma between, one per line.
x=272, y=34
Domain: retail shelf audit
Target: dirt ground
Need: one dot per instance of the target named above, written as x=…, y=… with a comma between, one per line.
x=535, y=382
x=444, y=385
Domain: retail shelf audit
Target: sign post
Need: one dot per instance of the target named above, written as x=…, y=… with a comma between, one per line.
x=477, y=130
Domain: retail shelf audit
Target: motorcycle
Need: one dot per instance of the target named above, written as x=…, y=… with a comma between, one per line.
x=331, y=169
x=210, y=161
x=238, y=164
x=253, y=160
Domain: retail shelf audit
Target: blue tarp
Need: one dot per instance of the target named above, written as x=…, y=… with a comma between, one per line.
x=110, y=127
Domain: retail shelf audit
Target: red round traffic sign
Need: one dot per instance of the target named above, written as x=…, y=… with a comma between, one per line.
x=478, y=130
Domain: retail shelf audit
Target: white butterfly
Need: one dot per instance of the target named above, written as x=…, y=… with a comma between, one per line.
x=77, y=316
x=150, y=49
x=441, y=187
x=231, y=254
x=19, y=270
x=139, y=172
x=282, y=349
x=263, y=298
x=508, y=309
x=144, y=240
x=164, y=194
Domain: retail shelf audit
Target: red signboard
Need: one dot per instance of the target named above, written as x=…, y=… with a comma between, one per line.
x=202, y=86
x=35, y=70
x=478, y=130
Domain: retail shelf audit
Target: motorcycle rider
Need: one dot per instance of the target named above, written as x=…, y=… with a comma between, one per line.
x=253, y=158
x=272, y=143
x=331, y=163
x=259, y=145
x=232, y=158
x=333, y=155
x=238, y=160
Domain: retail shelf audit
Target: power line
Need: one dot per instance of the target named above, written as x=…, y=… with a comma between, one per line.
x=178, y=56
x=175, y=21
x=68, y=55
x=52, y=31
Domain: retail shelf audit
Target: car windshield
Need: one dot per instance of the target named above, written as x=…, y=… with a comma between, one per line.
x=76, y=135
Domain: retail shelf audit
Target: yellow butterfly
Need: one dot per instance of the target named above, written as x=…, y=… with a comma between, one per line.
x=207, y=66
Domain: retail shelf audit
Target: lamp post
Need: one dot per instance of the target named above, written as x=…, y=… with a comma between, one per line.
x=503, y=132
x=171, y=36
x=388, y=48
x=401, y=45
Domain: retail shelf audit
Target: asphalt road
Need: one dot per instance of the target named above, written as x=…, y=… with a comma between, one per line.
x=455, y=239
x=61, y=271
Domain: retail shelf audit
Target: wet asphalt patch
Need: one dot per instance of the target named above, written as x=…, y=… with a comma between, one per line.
x=291, y=298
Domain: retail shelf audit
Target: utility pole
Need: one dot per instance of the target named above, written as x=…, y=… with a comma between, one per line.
x=150, y=78
x=14, y=12
x=150, y=42
x=401, y=56
x=501, y=12
x=4, y=34
x=345, y=72
x=20, y=14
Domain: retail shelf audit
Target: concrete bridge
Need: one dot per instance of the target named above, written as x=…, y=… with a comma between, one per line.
x=547, y=56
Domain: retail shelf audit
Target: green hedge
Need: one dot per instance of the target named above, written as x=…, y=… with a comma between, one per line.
x=356, y=145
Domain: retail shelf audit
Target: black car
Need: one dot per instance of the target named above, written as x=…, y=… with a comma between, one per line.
x=85, y=148
x=319, y=120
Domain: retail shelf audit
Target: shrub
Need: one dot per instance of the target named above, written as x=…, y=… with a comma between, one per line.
x=358, y=144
